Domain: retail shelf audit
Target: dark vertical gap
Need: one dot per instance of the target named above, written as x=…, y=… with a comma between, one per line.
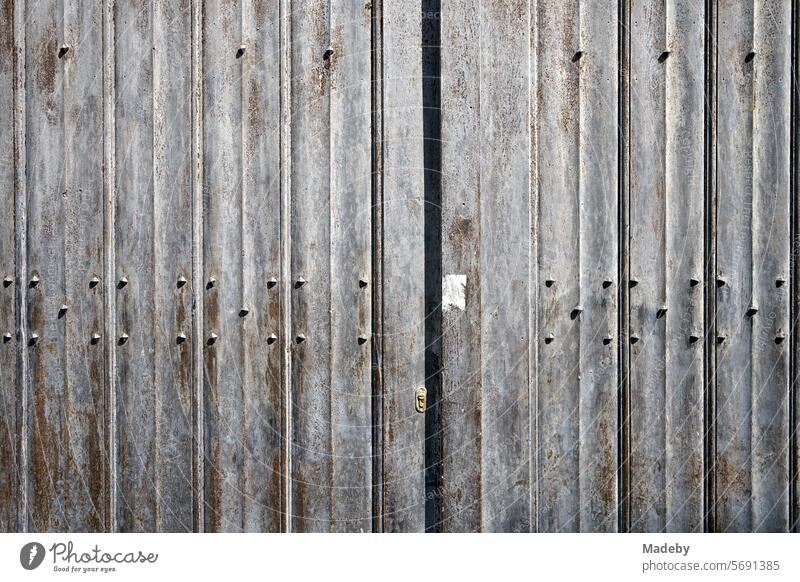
x=432, y=156
x=793, y=280
x=709, y=288
x=623, y=395
x=377, y=278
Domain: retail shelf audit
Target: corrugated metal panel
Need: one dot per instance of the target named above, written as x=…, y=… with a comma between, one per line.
x=351, y=265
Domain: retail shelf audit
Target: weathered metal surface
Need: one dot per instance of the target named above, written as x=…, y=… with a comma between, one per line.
x=576, y=136
x=9, y=395
x=752, y=376
x=153, y=252
x=66, y=387
x=331, y=200
x=666, y=204
x=486, y=254
x=403, y=366
x=243, y=400
x=229, y=308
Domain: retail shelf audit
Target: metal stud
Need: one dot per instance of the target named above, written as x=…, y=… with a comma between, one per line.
x=272, y=338
x=93, y=282
x=95, y=338
x=548, y=339
x=181, y=281
x=607, y=340
x=693, y=282
x=35, y=280
x=362, y=339
x=634, y=339
x=180, y=338
x=607, y=283
x=62, y=311
x=212, y=339
x=34, y=339
x=123, y=339
x=363, y=282
x=62, y=50
x=243, y=312
x=6, y=337
x=661, y=312
x=271, y=282
x=299, y=283
x=752, y=310
x=123, y=282
x=577, y=310
x=211, y=283
x=549, y=282
x=633, y=283
x=7, y=281
x=300, y=338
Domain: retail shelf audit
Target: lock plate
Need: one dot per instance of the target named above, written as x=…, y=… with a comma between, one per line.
x=421, y=399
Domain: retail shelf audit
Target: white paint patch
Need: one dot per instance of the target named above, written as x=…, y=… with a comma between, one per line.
x=454, y=290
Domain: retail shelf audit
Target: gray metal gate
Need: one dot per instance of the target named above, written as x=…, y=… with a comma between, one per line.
x=373, y=265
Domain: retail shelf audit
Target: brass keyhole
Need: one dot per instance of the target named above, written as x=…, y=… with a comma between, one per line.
x=421, y=400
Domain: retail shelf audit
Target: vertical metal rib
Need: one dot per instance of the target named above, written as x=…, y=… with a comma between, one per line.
x=377, y=273
x=623, y=445
x=21, y=258
x=109, y=204
x=793, y=280
x=709, y=289
x=197, y=263
x=533, y=272
x=286, y=252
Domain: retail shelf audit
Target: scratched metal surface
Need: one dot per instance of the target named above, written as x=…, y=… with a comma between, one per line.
x=360, y=265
